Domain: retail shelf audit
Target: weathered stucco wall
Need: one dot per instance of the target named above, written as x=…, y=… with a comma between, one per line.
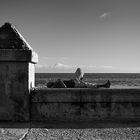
x=14, y=91
x=85, y=105
x=17, y=61
x=17, y=77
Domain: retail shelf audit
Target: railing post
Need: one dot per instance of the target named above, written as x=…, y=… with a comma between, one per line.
x=17, y=61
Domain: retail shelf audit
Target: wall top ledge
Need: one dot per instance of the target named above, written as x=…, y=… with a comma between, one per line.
x=36, y=89
x=18, y=55
x=85, y=95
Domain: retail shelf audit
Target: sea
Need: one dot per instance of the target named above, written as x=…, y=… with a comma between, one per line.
x=118, y=80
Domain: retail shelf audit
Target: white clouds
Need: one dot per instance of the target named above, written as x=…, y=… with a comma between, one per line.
x=60, y=67
x=46, y=65
x=56, y=68
x=64, y=68
x=39, y=66
x=105, y=15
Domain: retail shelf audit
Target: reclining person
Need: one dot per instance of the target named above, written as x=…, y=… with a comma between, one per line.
x=77, y=82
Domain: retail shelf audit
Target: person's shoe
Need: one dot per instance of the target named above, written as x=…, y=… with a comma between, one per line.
x=108, y=84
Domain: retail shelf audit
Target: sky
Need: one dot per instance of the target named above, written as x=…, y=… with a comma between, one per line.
x=96, y=35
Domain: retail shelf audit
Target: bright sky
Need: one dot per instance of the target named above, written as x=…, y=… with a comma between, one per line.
x=96, y=35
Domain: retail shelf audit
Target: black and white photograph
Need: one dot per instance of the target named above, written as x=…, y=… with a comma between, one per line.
x=69, y=70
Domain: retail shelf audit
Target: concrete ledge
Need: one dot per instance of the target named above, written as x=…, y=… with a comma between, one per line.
x=81, y=125
x=85, y=107
x=18, y=55
x=74, y=125
x=85, y=95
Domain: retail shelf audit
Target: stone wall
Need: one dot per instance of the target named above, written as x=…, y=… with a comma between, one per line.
x=85, y=107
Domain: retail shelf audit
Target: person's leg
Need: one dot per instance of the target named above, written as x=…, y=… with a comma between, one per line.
x=50, y=84
x=59, y=84
x=106, y=85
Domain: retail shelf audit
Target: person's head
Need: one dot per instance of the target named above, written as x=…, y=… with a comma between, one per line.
x=79, y=74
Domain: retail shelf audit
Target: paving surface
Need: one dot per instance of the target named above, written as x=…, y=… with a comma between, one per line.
x=71, y=134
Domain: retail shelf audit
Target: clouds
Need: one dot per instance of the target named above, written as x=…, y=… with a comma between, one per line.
x=56, y=68
x=62, y=68
x=105, y=15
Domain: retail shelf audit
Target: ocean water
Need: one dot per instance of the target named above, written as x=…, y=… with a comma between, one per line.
x=118, y=80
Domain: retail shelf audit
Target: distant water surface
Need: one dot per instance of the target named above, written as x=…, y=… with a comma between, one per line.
x=118, y=80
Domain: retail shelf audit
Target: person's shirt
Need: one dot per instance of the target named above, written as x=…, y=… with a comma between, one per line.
x=82, y=84
x=74, y=83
